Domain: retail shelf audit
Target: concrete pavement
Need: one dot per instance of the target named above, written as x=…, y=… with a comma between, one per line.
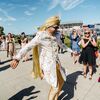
x=18, y=84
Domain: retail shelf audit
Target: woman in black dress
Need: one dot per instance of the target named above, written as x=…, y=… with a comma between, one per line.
x=87, y=57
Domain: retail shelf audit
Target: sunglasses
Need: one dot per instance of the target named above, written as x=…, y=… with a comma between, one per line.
x=87, y=33
x=55, y=27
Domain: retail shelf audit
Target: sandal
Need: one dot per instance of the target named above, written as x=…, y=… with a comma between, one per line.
x=75, y=61
x=84, y=74
x=90, y=77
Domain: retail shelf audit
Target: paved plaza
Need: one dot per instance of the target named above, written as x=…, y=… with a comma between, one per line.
x=18, y=84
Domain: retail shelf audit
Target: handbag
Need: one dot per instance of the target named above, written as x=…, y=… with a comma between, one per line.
x=99, y=79
x=96, y=53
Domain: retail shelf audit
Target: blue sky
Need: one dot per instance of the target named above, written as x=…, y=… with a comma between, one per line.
x=17, y=16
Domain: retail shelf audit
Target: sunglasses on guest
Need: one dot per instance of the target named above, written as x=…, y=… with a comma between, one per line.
x=87, y=33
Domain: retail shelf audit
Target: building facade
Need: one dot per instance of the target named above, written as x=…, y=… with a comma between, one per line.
x=67, y=27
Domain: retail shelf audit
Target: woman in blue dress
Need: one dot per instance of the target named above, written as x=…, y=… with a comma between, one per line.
x=74, y=37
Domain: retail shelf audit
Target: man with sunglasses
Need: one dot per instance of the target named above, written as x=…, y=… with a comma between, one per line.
x=46, y=61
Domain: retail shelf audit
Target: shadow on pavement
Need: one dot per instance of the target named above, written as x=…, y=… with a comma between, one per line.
x=69, y=86
x=4, y=68
x=25, y=92
x=31, y=55
x=3, y=62
x=29, y=59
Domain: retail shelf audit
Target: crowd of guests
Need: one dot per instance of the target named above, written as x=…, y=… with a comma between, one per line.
x=89, y=50
x=85, y=50
x=48, y=40
x=7, y=43
x=85, y=55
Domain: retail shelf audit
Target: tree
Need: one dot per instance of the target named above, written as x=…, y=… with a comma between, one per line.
x=1, y=30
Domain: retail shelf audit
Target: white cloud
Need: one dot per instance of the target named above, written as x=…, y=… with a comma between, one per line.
x=71, y=4
x=65, y=4
x=53, y=4
x=8, y=17
x=32, y=8
x=28, y=13
x=0, y=19
x=11, y=18
x=9, y=24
